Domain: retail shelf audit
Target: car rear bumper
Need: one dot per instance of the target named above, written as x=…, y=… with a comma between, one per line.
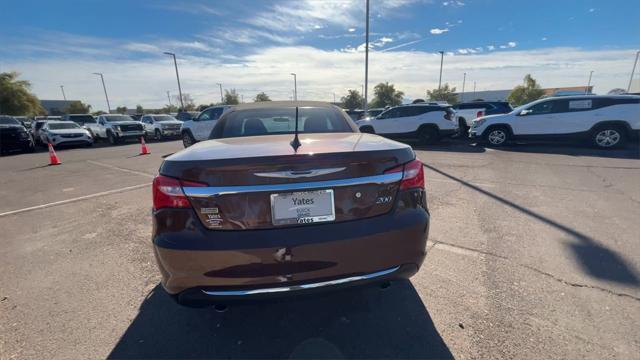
x=197, y=263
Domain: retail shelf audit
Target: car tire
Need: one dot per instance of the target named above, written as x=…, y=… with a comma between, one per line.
x=187, y=139
x=157, y=135
x=113, y=140
x=367, y=130
x=429, y=135
x=609, y=137
x=497, y=136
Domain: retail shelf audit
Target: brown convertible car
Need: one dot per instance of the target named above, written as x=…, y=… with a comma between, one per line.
x=287, y=198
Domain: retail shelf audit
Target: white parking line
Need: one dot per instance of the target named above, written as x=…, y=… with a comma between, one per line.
x=62, y=202
x=121, y=169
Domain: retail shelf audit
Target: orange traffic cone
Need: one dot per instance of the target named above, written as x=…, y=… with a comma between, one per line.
x=144, y=150
x=53, y=158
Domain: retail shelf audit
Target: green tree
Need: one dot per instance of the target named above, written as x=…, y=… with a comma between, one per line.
x=77, y=107
x=385, y=94
x=139, y=109
x=16, y=97
x=231, y=97
x=261, y=97
x=167, y=109
x=524, y=94
x=187, y=100
x=353, y=100
x=445, y=93
x=121, y=109
x=98, y=113
x=203, y=106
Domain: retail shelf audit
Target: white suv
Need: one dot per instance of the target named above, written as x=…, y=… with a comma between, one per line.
x=426, y=123
x=199, y=128
x=605, y=121
x=160, y=126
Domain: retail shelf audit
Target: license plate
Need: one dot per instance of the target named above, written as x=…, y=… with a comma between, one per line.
x=303, y=207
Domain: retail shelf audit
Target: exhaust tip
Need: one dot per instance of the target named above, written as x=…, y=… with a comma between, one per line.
x=220, y=308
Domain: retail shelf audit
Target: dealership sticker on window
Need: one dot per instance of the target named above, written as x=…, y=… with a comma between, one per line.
x=580, y=104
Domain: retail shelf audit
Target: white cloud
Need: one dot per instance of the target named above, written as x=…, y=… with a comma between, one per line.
x=437, y=31
x=453, y=3
x=351, y=29
x=307, y=15
x=320, y=73
x=544, y=38
x=192, y=8
x=491, y=47
x=592, y=10
x=512, y=44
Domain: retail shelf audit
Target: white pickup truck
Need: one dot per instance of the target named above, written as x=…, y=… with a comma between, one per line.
x=117, y=128
x=467, y=112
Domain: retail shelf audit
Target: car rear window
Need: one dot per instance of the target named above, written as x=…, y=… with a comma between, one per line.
x=8, y=120
x=273, y=121
x=65, y=125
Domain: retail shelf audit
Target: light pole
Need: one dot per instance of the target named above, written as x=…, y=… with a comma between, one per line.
x=104, y=87
x=586, y=90
x=633, y=71
x=464, y=80
x=334, y=98
x=474, y=89
x=242, y=98
x=441, y=62
x=366, y=63
x=221, y=97
x=295, y=87
x=175, y=63
x=169, y=98
x=63, y=95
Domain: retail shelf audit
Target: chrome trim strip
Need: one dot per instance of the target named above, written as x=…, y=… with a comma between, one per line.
x=299, y=173
x=203, y=192
x=302, y=286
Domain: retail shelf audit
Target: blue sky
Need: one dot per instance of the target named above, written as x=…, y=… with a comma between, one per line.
x=253, y=45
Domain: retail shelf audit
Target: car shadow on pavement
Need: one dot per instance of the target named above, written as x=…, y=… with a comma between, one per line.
x=461, y=145
x=594, y=258
x=365, y=322
x=630, y=151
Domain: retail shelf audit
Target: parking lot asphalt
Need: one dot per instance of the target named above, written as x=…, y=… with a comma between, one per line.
x=534, y=251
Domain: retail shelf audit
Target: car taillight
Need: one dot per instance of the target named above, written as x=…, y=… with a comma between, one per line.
x=167, y=192
x=412, y=174
x=480, y=114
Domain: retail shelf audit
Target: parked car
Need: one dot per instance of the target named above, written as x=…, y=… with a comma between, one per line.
x=24, y=120
x=199, y=128
x=249, y=214
x=36, y=125
x=467, y=112
x=426, y=123
x=64, y=133
x=605, y=121
x=161, y=126
x=355, y=114
x=117, y=128
x=137, y=117
x=14, y=136
x=85, y=121
x=187, y=115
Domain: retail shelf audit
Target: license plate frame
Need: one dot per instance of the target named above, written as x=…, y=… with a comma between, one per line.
x=324, y=215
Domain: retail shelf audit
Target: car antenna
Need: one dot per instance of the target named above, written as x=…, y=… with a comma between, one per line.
x=295, y=143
